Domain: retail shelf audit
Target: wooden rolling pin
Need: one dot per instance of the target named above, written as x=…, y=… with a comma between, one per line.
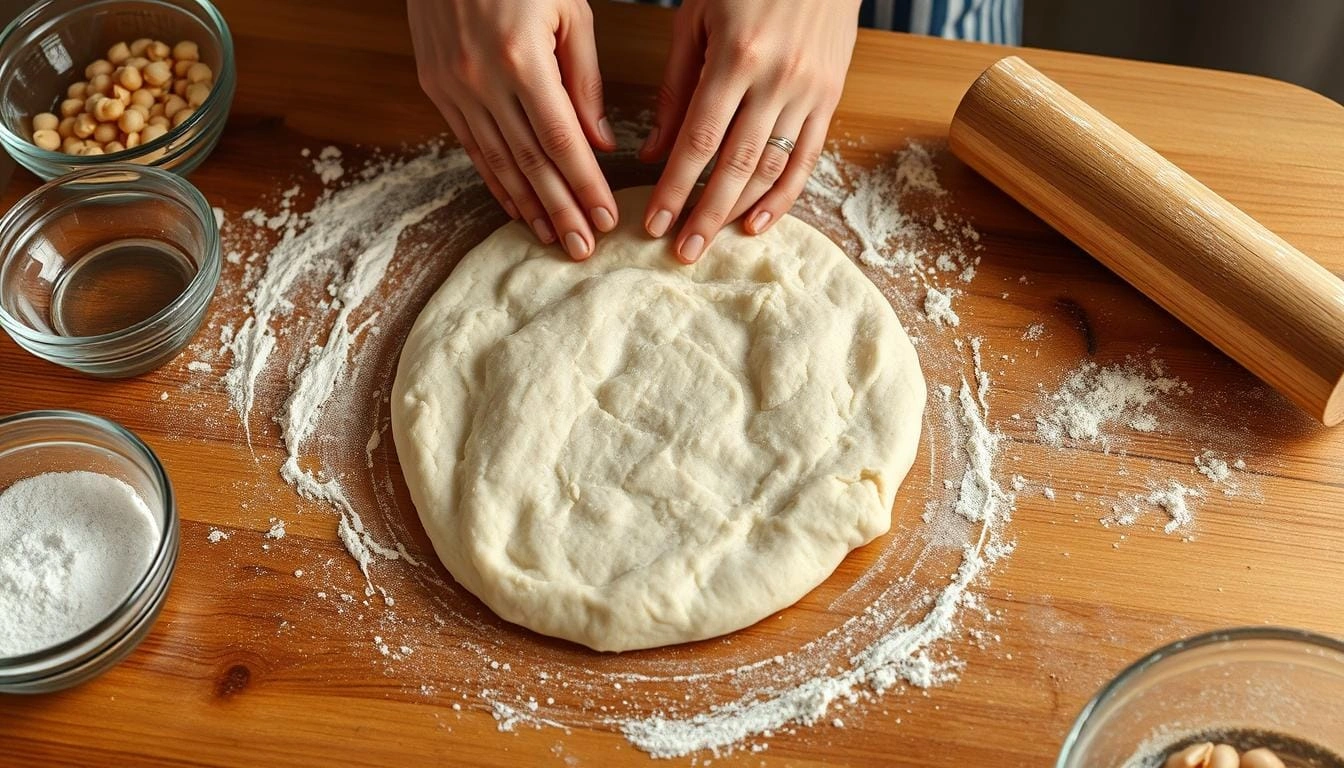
x=1240, y=286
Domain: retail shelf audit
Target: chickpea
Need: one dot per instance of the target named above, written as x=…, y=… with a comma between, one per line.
x=122, y=95
x=130, y=78
x=173, y=105
x=180, y=67
x=108, y=110
x=157, y=73
x=100, y=84
x=45, y=121
x=186, y=51
x=142, y=98
x=139, y=45
x=105, y=132
x=119, y=53
x=139, y=109
x=113, y=147
x=77, y=90
x=139, y=62
x=71, y=107
x=47, y=139
x=197, y=93
x=182, y=115
x=99, y=67
x=180, y=87
x=85, y=125
x=157, y=111
x=199, y=73
x=92, y=102
x=132, y=140
x=91, y=149
x=71, y=145
x=158, y=51
x=67, y=127
x=131, y=121
x=152, y=132
x=155, y=91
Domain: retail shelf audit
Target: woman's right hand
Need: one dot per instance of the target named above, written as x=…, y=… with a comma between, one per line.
x=518, y=83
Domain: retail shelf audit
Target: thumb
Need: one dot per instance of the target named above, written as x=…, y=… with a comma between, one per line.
x=576, y=50
x=680, y=78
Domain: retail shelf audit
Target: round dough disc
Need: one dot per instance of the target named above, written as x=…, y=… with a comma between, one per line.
x=629, y=452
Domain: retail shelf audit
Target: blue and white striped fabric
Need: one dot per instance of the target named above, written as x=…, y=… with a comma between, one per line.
x=987, y=21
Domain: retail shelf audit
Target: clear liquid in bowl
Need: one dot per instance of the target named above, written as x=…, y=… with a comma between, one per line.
x=117, y=285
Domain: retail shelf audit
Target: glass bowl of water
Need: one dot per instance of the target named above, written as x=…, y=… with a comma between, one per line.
x=1250, y=688
x=108, y=271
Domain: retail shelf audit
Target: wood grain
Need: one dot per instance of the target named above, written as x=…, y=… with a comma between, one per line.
x=246, y=667
x=1222, y=273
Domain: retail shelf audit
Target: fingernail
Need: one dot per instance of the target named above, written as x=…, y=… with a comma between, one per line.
x=543, y=230
x=659, y=222
x=603, y=219
x=759, y=222
x=690, y=250
x=650, y=142
x=576, y=246
x=604, y=130
x=511, y=209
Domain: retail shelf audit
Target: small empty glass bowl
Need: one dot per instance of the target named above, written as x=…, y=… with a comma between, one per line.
x=47, y=48
x=1249, y=687
x=39, y=442
x=108, y=271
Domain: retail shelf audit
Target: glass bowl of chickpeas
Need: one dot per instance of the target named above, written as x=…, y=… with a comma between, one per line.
x=1250, y=697
x=87, y=82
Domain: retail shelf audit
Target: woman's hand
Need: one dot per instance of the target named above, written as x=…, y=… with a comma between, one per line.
x=518, y=83
x=740, y=73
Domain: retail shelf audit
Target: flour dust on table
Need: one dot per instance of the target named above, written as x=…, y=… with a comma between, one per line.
x=330, y=282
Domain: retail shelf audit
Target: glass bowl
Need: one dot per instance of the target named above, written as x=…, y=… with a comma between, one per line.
x=108, y=271
x=38, y=442
x=1248, y=687
x=47, y=47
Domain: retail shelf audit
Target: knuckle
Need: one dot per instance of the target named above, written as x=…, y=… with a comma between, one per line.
x=807, y=158
x=556, y=138
x=772, y=165
x=742, y=160
x=712, y=219
x=496, y=158
x=530, y=158
x=666, y=98
x=590, y=88
x=702, y=140
x=745, y=53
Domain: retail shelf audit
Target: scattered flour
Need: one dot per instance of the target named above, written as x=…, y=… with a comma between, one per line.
x=215, y=536
x=1175, y=499
x=199, y=366
x=938, y=308
x=1095, y=397
x=277, y=530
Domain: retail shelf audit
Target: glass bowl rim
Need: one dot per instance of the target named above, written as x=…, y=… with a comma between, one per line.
x=167, y=516
x=208, y=272
x=223, y=82
x=1293, y=635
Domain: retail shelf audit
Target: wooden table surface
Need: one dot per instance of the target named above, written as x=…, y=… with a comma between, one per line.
x=245, y=668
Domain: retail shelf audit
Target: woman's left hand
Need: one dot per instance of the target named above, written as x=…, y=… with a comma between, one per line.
x=740, y=73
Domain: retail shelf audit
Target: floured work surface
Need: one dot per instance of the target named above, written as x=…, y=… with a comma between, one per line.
x=1017, y=577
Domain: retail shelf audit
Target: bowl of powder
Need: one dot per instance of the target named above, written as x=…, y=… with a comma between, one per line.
x=88, y=543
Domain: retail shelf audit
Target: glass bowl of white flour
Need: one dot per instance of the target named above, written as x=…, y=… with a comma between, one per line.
x=88, y=543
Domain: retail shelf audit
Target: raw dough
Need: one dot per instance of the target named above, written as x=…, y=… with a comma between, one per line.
x=628, y=452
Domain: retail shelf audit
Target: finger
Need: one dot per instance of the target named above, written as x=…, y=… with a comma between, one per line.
x=458, y=124
x=576, y=50
x=711, y=110
x=738, y=160
x=555, y=127
x=782, y=195
x=772, y=163
x=497, y=156
x=564, y=211
x=680, y=75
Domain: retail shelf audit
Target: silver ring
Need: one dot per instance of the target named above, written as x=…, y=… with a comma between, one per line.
x=784, y=144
